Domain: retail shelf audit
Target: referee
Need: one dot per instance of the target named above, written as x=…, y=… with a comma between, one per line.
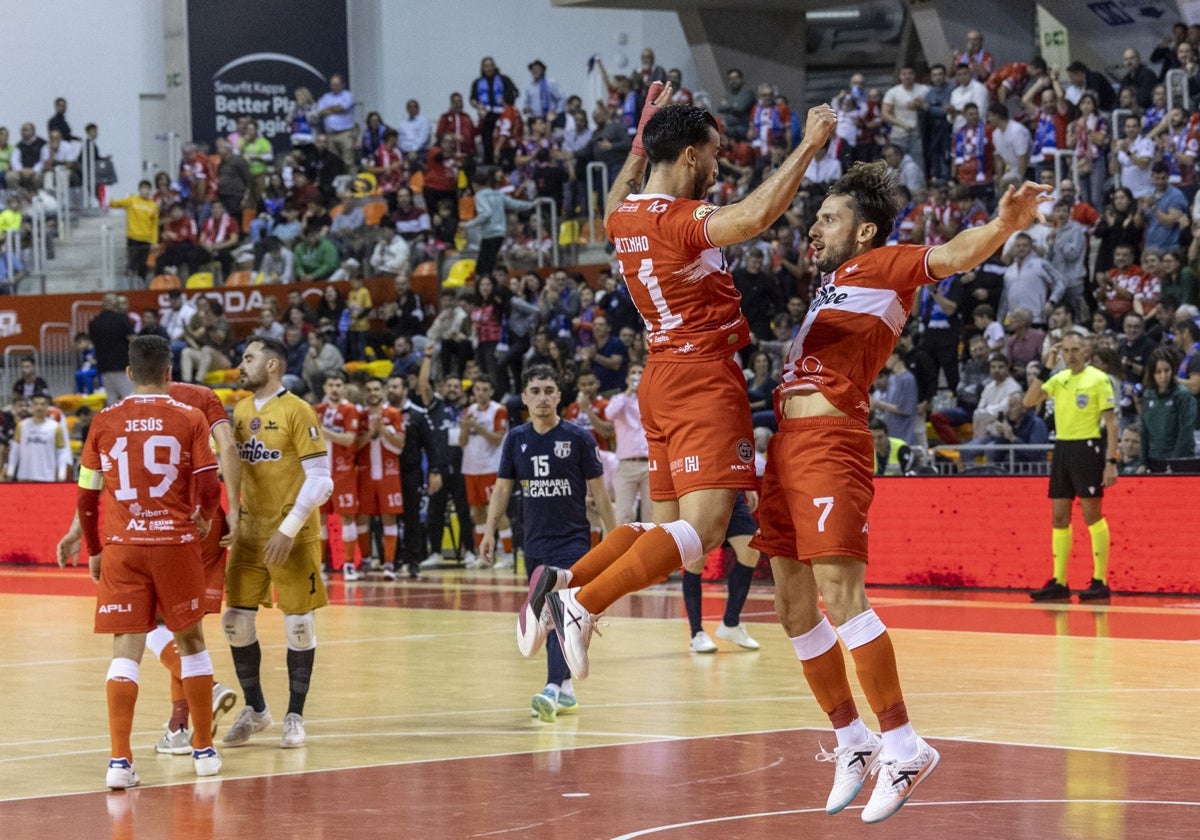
x=1085, y=461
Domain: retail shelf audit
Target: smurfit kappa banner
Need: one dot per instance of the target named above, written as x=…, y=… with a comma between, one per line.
x=247, y=59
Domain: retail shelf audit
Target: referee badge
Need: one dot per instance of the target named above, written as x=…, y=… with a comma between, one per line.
x=562, y=448
x=1081, y=400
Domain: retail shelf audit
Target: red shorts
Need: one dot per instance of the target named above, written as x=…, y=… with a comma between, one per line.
x=379, y=496
x=344, y=500
x=140, y=582
x=817, y=489
x=479, y=488
x=212, y=555
x=697, y=421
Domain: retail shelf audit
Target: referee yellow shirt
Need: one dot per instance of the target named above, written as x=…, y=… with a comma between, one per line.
x=1079, y=401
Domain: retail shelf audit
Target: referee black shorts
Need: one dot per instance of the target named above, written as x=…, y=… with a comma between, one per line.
x=1077, y=469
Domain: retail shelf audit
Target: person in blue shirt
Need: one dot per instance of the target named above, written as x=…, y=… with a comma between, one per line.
x=558, y=466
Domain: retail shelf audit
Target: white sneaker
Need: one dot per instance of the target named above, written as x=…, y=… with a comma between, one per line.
x=389, y=571
x=206, y=761
x=293, y=731
x=178, y=742
x=224, y=699
x=433, y=561
x=505, y=561
x=533, y=621
x=701, y=643
x=246, y=724
x=350, y=573
x=471, y=561
x=851, y=767
x=737, y=635
x=121, y=774
x=574, y=626
x=897, y=781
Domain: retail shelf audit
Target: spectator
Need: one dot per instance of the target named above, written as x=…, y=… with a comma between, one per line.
x=335, y=109
x=967, y=89
x=110, y=332
x=974, y=156
x=1178, y=279
x=258, y=154
x=1121, y=224
x=278, y=264
x=297, y=351
x=233, y=177
x=973, y=376
x=903, y=105
x=1027, y=281
x=25, y=164
x=372, y=139
x=491, y=208
x=141, y=228
x=219, y=236
x=150, y=326
x=978, y=60
x=899, y=402
x=1135, y=153
x=1129, y=452
x=736, y=104
x=1016, y=425
x=761, y=295
x=450, y=335
x=940, y=312
x=1012, y=143
x=29, y=383
x=491, y=93
x=994, y=399
x=1089, y=137
x=1068, y=258
x=1082, y=78
x=323, y=359
x=210, y=342
x=1138, y=77
x=1025, y=343
x=359, y=304
x=458, y=124
x=180, y=238
x=542, y=98
x=487, y=318
x=1119, y=287
x=316, y=257
x=58, y=121
x=59, y=158
x=608, y=358
x=984, y=318
x=1134, y=347
x=415, y=133
x=1165, y=210
x=906, y=169
x=1168, y=412
x=937, y=123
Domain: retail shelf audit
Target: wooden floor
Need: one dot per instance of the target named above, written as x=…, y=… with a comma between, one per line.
x=1060, y=721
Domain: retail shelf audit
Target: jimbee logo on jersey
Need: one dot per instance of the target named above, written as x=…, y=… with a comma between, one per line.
x=254, y=451
x=562, y=448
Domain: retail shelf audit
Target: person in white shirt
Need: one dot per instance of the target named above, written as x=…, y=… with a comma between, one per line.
x=994, y=400
x=902, y=105
x=1135, y=153
x=40, y=450
x=1011, y=143
x=415, y=133
x=336, y=110
x=391, y=252
x=967, y=89
x=482, y=426
x=632, y=482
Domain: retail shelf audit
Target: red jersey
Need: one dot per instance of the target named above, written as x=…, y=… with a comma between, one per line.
x=677, y=278
x=378, y=457
x=343, y=417
x=1132, y=280
x=147, y=448
x=182, y=230
x=574, y=415
x=462, y=127
x=852, y=326
x=510, y=129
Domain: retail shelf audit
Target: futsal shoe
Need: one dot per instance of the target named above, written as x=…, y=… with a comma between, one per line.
x=1052, y=591
x=737, y=635
x=897, y=781
x=121, y=774
x=851, y=766
x=174, y=742
x=1097, y=590
x=293, y=731
x=247, y=723
x=545, y=705
x=206, y=761
x=533, y=622
x=224, y=699
x=702, y=643
x=574, y=626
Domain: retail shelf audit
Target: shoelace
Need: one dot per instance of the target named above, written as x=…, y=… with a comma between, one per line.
x=824, y=754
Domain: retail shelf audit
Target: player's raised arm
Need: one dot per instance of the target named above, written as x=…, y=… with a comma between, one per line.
x=1019, y=208
x=757, y=211
x=633, y=172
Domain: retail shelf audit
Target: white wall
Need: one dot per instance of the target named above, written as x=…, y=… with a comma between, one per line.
x=427, y=50
x=99, y=54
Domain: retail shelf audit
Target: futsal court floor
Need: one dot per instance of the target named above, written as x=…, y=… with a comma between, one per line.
x=1053, y=721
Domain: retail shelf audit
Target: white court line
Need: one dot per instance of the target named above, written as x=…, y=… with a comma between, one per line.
x=646, y=832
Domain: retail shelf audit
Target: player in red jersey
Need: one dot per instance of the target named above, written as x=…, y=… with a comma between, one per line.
x=669, y=240
x=150, y=456
x=177, y=737
x=342, y=423
x=818, y=484
x=379, y=472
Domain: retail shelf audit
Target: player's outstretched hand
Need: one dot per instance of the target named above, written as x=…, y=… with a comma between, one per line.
x=821, y=122
x=658, y=95
x=1021, y=207
x=68, y=549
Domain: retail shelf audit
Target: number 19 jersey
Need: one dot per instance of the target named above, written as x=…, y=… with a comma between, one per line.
x=677, y=278
x=148, y=448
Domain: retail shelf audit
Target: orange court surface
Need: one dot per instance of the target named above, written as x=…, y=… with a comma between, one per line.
x=1054, y=721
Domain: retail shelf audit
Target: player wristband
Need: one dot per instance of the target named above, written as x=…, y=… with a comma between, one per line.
x=1112, y=461
x=291, y=525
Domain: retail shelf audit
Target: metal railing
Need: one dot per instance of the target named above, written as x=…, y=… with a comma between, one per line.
x=12, y=255
x=1001, y=459
x=1177, y=90
x=540, y=229
x=82, y=313
x=1059, y=166
x=62, y=194
x=598, y=167
x=57, y=356
x=108, y=278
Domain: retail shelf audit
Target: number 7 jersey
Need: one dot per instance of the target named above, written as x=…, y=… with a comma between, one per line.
x=677, y=278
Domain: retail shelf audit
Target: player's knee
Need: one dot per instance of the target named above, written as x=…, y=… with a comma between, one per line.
x=688, y=540
x=301, y=631
x=239, y=627
x=696, y=566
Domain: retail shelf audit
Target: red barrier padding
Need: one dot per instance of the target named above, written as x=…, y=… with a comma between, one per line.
x=969, y=532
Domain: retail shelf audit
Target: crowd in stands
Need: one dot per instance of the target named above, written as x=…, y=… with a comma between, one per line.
x=1117, y=257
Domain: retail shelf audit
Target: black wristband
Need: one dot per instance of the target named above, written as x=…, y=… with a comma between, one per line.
x=1112, y=461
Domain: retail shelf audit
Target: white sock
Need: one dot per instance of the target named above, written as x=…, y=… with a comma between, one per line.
x=854, y=734
x=552, y=687
x=567, y=688
x=900, y=744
